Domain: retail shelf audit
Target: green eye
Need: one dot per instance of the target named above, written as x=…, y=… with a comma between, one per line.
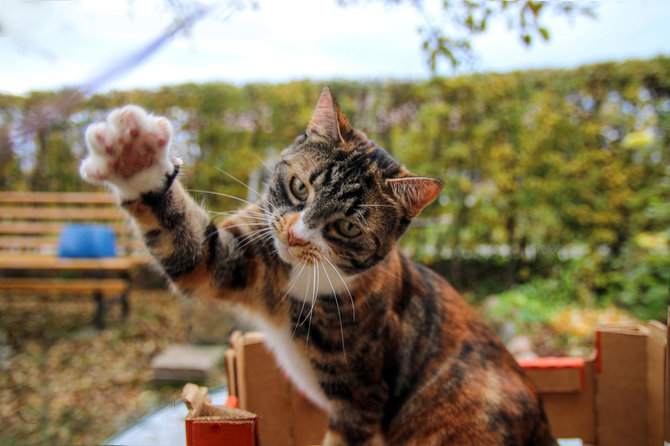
x=347, y=228
x=299, y=189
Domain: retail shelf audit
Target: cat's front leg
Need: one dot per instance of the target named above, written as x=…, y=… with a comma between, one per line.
x=129, y=152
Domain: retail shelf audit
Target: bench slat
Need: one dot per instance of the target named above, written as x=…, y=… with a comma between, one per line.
x=51, y=243
x=64, y=285
x=30, y=227
x=57, y=197
x=53, y=228
x=15, y=242
x=62, y=213
x=27, y=261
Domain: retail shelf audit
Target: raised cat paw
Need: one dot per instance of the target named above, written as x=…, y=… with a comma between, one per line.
x=129, y=151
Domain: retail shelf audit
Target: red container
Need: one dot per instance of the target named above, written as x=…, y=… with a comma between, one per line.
x=211, y=425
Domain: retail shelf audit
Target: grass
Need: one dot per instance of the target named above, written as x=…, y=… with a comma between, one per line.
x=67, y=383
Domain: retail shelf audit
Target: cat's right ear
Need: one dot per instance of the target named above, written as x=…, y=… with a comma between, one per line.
x=328, y=122
x=414, y=193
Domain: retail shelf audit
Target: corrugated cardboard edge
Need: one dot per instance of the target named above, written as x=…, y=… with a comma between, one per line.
x=656, y=382
x=231, y=372
x=237, y=344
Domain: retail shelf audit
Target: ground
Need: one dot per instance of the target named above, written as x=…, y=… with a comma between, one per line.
x=64, y=382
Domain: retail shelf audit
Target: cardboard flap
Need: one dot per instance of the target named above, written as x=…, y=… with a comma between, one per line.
x=288, y=418
x=631, y=384
x=555, y=375
x=200, y=406
x=656, y=353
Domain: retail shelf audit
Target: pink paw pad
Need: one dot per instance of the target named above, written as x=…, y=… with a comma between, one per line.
x=129, y=141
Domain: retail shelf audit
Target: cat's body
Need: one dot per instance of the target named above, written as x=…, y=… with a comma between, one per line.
x=386, y=346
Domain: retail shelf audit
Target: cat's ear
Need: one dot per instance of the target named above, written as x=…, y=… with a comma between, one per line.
x=328, y=121
x=414, y=193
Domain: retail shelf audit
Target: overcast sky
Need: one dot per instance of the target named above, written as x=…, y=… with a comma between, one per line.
x=54, y=44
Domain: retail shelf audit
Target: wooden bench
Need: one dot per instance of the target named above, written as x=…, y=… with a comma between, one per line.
x=30, y=226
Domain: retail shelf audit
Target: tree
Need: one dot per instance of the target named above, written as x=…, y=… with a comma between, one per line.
x=449, y=25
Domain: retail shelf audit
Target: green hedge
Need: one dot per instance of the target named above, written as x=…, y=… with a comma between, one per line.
x=565, y=165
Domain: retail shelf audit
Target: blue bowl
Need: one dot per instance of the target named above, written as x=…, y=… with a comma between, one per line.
x=89, y=241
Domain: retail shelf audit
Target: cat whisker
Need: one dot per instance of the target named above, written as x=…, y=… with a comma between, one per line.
x=351, y=298
x=377, y=205
x=304, y=301
x=264, y=227
x=251, y=217
x=315, y=296
x=241, y=182
x=221, y=194
x=245, y=214
x=261, y=236
x=254, y=236
x=388, y=272
x=263, y=162
x=312, y=305
x=362, y=220
x=337, y=305
x=240, y=225
x=293, y=281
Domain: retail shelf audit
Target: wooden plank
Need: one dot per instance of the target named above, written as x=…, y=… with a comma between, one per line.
x=63, y=285
x=30, y=227
x=39, y=228
x=48, y=243
x=182, y=362
x=28, y=243
x=62, y=213
x=57, y=197
x=27, y=261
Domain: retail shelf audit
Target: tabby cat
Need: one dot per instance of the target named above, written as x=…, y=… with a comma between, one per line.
x=385, y=346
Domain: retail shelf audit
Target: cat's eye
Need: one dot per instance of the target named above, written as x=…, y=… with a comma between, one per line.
x=347, y=228
x=299, y=189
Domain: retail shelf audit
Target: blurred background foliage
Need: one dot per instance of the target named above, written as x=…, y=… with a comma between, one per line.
x=557, y=181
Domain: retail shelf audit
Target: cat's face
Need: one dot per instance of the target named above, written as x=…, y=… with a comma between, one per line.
x=337, y=199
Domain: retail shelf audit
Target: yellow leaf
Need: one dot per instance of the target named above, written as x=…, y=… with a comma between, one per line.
x=639, y=140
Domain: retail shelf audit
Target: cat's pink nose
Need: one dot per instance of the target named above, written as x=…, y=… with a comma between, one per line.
x=294, y=240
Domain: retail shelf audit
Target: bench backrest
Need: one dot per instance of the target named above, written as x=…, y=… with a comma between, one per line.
x=32, y=222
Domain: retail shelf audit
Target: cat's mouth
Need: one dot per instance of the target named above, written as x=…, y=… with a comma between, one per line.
x=309, y=255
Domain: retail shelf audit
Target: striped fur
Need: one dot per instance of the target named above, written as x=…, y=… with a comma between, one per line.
x=386, y=346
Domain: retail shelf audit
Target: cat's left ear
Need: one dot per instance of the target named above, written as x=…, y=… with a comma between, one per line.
x=328, y=121
x=414, y=193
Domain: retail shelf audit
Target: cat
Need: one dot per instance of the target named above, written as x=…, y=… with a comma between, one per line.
x=387, y=347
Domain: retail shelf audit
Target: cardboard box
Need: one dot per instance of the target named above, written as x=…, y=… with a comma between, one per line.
x=567, y=387
x=286, y=417
x=620, y=397
x=631, y=384
x=656, y=382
